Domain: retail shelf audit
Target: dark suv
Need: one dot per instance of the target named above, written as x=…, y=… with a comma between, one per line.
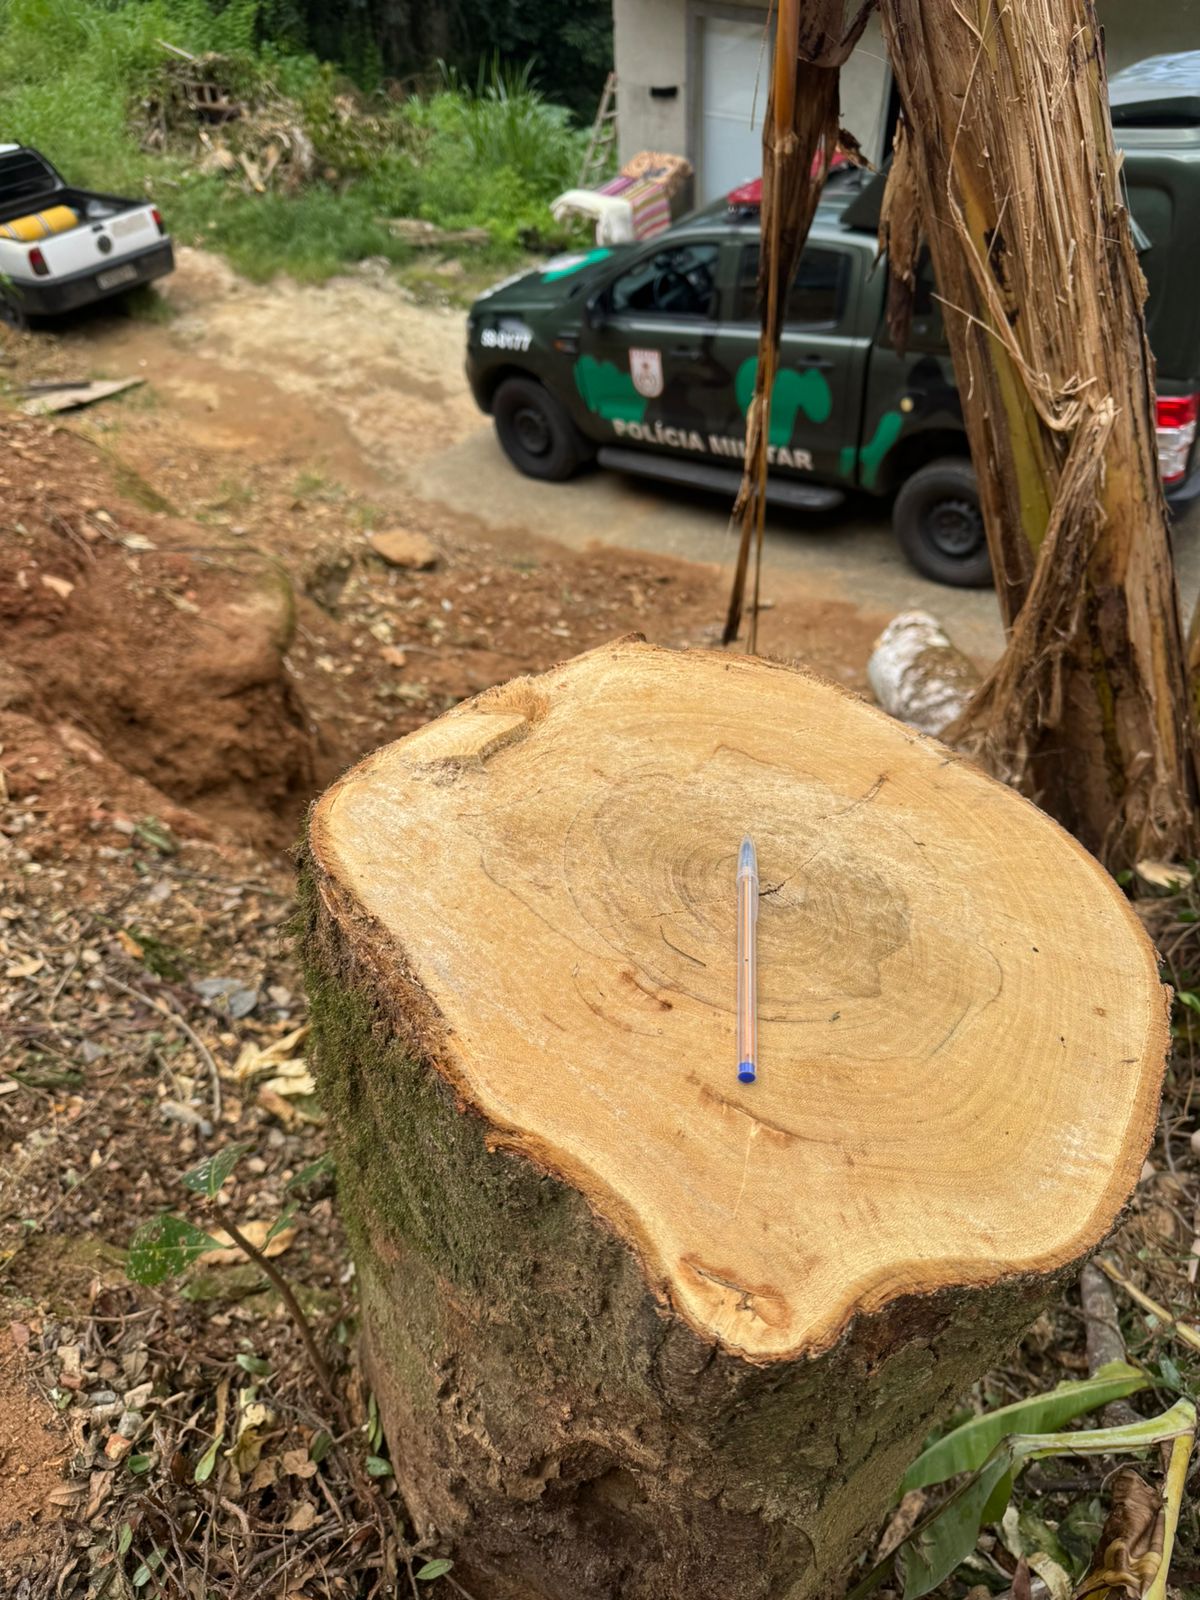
x=644, y=356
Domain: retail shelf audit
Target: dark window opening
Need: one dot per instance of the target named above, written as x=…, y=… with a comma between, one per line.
x=817, y=298
x=24, y=176
x=677, y=282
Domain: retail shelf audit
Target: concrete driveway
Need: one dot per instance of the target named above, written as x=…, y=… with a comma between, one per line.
x=849, y=556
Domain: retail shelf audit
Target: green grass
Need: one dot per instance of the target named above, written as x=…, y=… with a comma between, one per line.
x=75, y=76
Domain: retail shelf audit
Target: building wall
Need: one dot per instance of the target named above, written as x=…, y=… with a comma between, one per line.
x=650, y=41
x=655, y=48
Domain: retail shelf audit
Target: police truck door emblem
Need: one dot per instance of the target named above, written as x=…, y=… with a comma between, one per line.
x=645, y=368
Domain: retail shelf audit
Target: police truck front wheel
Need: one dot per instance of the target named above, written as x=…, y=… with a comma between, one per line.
x=939, y=525
x=537, y=435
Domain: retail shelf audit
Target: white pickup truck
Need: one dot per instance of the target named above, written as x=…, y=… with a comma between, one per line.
x=61, y=248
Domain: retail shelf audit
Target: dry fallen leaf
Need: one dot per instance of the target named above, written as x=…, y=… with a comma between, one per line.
x=302, y=1518
x=245, y=1450
x=254, y=1061
x=25, y=969
x=67, y=1494
x=228, y=1254
x=278, y=1107
x=1164, y=874
x=299, y=1463
x=130, y=945
x=59, y=586
x=1128, y=1553
x=266, y=1474
x=293, y=1079
x=100, y=1486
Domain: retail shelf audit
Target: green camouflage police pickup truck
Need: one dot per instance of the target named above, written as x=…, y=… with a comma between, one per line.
x=643, y=356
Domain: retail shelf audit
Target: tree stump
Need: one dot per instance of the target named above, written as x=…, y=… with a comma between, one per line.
x=639, y=1331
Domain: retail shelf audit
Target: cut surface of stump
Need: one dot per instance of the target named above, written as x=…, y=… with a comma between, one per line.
x=961, y=1042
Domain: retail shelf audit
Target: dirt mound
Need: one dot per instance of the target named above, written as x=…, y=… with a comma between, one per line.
x=142, y=644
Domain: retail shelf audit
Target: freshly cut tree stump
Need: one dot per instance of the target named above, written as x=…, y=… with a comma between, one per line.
x=638, y=1330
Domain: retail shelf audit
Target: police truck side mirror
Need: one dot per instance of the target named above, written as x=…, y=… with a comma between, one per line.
x=595, y=312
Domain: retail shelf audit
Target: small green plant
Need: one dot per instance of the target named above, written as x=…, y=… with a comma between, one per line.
x=988, y=1452
x=167, y=1245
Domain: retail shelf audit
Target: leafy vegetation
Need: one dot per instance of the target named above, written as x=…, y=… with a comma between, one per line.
x=986, y=1456
x=571, y=40
x=86, y=85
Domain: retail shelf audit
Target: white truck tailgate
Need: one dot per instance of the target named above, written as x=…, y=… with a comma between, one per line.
x=101, y=245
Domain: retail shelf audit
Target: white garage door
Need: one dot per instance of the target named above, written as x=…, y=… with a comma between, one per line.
x=734, y=79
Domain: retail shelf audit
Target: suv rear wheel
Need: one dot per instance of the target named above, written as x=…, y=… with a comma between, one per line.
x=939, y=525
x=537, y=435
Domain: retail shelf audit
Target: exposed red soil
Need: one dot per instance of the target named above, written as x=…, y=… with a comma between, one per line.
x=238, y=679
x=34, y=1449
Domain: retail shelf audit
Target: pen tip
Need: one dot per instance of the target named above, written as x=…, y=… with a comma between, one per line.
x=747, y=860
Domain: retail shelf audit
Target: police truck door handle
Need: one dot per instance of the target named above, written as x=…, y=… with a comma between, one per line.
x=686, y=352
x=822, y=363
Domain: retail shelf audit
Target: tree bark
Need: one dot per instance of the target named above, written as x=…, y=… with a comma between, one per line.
x=639, y=1331
x=1012, y=156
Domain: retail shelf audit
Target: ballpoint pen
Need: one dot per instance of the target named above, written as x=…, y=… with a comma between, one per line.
x=747, y=995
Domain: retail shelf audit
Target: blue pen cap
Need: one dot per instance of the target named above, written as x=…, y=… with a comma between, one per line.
x=747, y=860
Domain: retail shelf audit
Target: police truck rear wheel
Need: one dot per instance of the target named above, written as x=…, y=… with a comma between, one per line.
x=537, y=435
x=939, y=525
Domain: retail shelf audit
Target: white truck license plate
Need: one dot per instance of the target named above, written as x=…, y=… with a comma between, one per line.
x=116, y=275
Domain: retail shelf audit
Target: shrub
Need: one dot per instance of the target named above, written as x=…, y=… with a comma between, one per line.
x=76, y=78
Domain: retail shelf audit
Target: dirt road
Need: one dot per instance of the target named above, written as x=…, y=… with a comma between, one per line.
x=355, y=384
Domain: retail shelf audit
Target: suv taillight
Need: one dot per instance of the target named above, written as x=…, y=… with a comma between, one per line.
x=37, y=262
x=1176, y=431
x=158, y=221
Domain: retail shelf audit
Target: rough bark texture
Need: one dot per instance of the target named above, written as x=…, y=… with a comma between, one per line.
x=1012, y=155
x=639, y=1331
x=547, y=1421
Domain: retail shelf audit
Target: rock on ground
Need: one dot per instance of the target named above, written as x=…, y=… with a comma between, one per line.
x=400, y=547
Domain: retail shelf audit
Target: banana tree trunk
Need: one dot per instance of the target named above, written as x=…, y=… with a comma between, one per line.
x=1013, y=163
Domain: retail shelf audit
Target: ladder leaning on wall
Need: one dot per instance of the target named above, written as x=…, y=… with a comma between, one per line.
x=600, y=150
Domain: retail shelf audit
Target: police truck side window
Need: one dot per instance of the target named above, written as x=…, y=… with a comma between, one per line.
x=680, y=282
x=817, y=297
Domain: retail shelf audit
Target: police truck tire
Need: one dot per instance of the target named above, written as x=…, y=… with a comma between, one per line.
x=939, y=525
x=537, y=435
